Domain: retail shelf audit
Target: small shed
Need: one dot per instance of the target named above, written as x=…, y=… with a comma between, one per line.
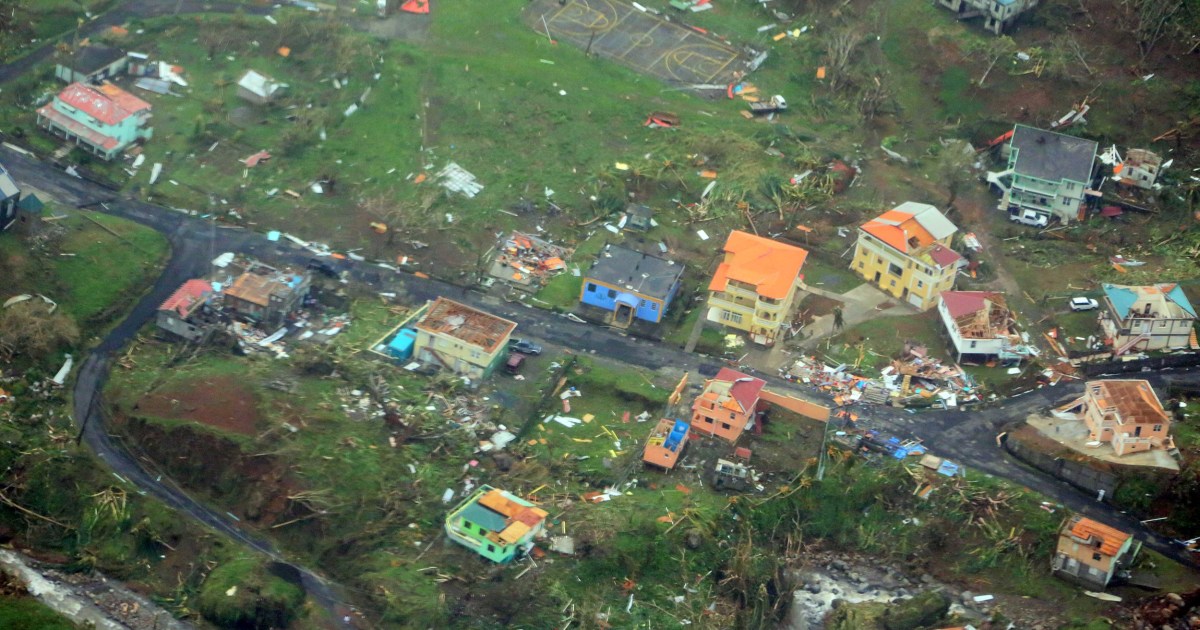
x=259, y=88
x=401, y=346
x=638, y=218
x=91, y=64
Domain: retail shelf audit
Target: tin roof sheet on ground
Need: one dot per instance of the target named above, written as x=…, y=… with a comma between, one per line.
x=635, y=271
x=1052, y=156
x=462, y=322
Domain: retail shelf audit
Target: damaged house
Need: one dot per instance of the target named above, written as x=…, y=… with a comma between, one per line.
x=181, y=313
x=1091, y=553
x=906, y=253
x=980, y=326
x=1048, y=176
x=1141, y=318
x=495, y=524
x=93, y=63
x=266, y=295
x=1124, y=413
x=462, y=339
x=998, y=15
x=728, y=405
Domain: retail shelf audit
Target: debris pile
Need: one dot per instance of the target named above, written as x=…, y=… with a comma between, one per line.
x=1168, y=611
x=527, y=261
x=913, y=380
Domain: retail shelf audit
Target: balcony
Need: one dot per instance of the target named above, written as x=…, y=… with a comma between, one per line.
x=736, y=302
x=1034, y=185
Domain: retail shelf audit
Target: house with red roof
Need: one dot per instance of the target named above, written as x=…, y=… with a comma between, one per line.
x=906, y=253
x=728, y=405
x=179, y=313
x=103, y=119
x=981, y=327
x=755, y=286
x=1092, y=553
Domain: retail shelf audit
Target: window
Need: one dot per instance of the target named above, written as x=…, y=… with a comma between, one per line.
x=895, y=270
x=591, y=287
x=893, y=283
x=861, y=264
x=708, y=420
x=1157, y=428
x=467, y=524
x=973, y=344
x=731, y=317
x=725, y=425
x=878, y=260
x=1162, y=323
x=491, y=548
x=611, y=294
x=732, y=415
x=920, y=284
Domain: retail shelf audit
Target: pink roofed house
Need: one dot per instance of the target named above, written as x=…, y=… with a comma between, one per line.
x=728, y=405
x=177, y=314
x=105, y=119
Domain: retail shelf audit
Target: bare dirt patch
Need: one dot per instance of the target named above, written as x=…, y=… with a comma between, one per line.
x=220, y=402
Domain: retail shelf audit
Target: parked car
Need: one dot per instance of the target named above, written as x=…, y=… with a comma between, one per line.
x=524, y=346
x=1084, y=304
x=1029, y=217
x=514, y=363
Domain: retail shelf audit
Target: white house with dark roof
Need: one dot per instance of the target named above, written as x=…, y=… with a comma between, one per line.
x=1153, y=317
x=1049, y=174
x=92, y=63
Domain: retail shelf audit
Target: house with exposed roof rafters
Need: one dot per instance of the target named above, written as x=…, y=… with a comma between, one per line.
x=461, y=339
x=1092, y=553
x=1124, y=413
x=1152, y=317
x=755, y=286
x=178, y=313
x=906, y=252
x=495, y=524
x=728, y=405
x=104, y=119
x=980, y=326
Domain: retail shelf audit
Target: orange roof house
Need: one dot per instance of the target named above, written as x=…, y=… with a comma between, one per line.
x=1092, y=553
x=755, y=285
x=906, y=252
x=728, y=405
x=771, y=267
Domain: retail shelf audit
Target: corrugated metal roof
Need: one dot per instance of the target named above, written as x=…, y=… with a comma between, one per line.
x=770, y=266
x=1111, y=539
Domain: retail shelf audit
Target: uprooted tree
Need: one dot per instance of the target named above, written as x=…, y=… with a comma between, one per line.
x=839, y=49
x=1149, y=21
x=30, y=330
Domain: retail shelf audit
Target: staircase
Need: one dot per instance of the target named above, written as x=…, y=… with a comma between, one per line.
x=1192, y=342
x=1128, y=345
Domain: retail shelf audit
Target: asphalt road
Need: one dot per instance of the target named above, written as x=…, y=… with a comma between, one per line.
x=968, y=437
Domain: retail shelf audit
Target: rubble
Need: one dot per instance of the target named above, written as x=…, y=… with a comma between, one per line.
x=524, y=260
x=915, y=379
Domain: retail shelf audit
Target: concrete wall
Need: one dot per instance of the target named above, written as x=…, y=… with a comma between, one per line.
x=1077, y=474
x=802, y=407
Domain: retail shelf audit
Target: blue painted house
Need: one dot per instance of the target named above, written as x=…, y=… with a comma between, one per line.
x=631, y=284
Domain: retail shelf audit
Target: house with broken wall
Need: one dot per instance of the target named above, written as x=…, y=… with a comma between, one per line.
x=1091, y=553
x=906, y=253
x=104, y=119
x=266, y=295
x=666, y=443
x=1048, y=175
x=1144, y=318
x=755, y=285
x=181, y=314
x=998, y=15
x=728, y=405
x=630, y=284
x=981, y=327
x=462, y=339
x=1125, y=414
x=496, y=524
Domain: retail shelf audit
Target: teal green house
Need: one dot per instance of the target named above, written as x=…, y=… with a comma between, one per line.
x=103, y=119
x=495, y=524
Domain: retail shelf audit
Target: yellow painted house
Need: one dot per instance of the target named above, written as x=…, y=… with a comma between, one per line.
x=906, y=252
x=462, y=339
x=755, y=286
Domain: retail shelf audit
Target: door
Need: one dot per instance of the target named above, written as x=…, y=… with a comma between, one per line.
x=877, y=276
x=914, y=299
x=623, y=316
